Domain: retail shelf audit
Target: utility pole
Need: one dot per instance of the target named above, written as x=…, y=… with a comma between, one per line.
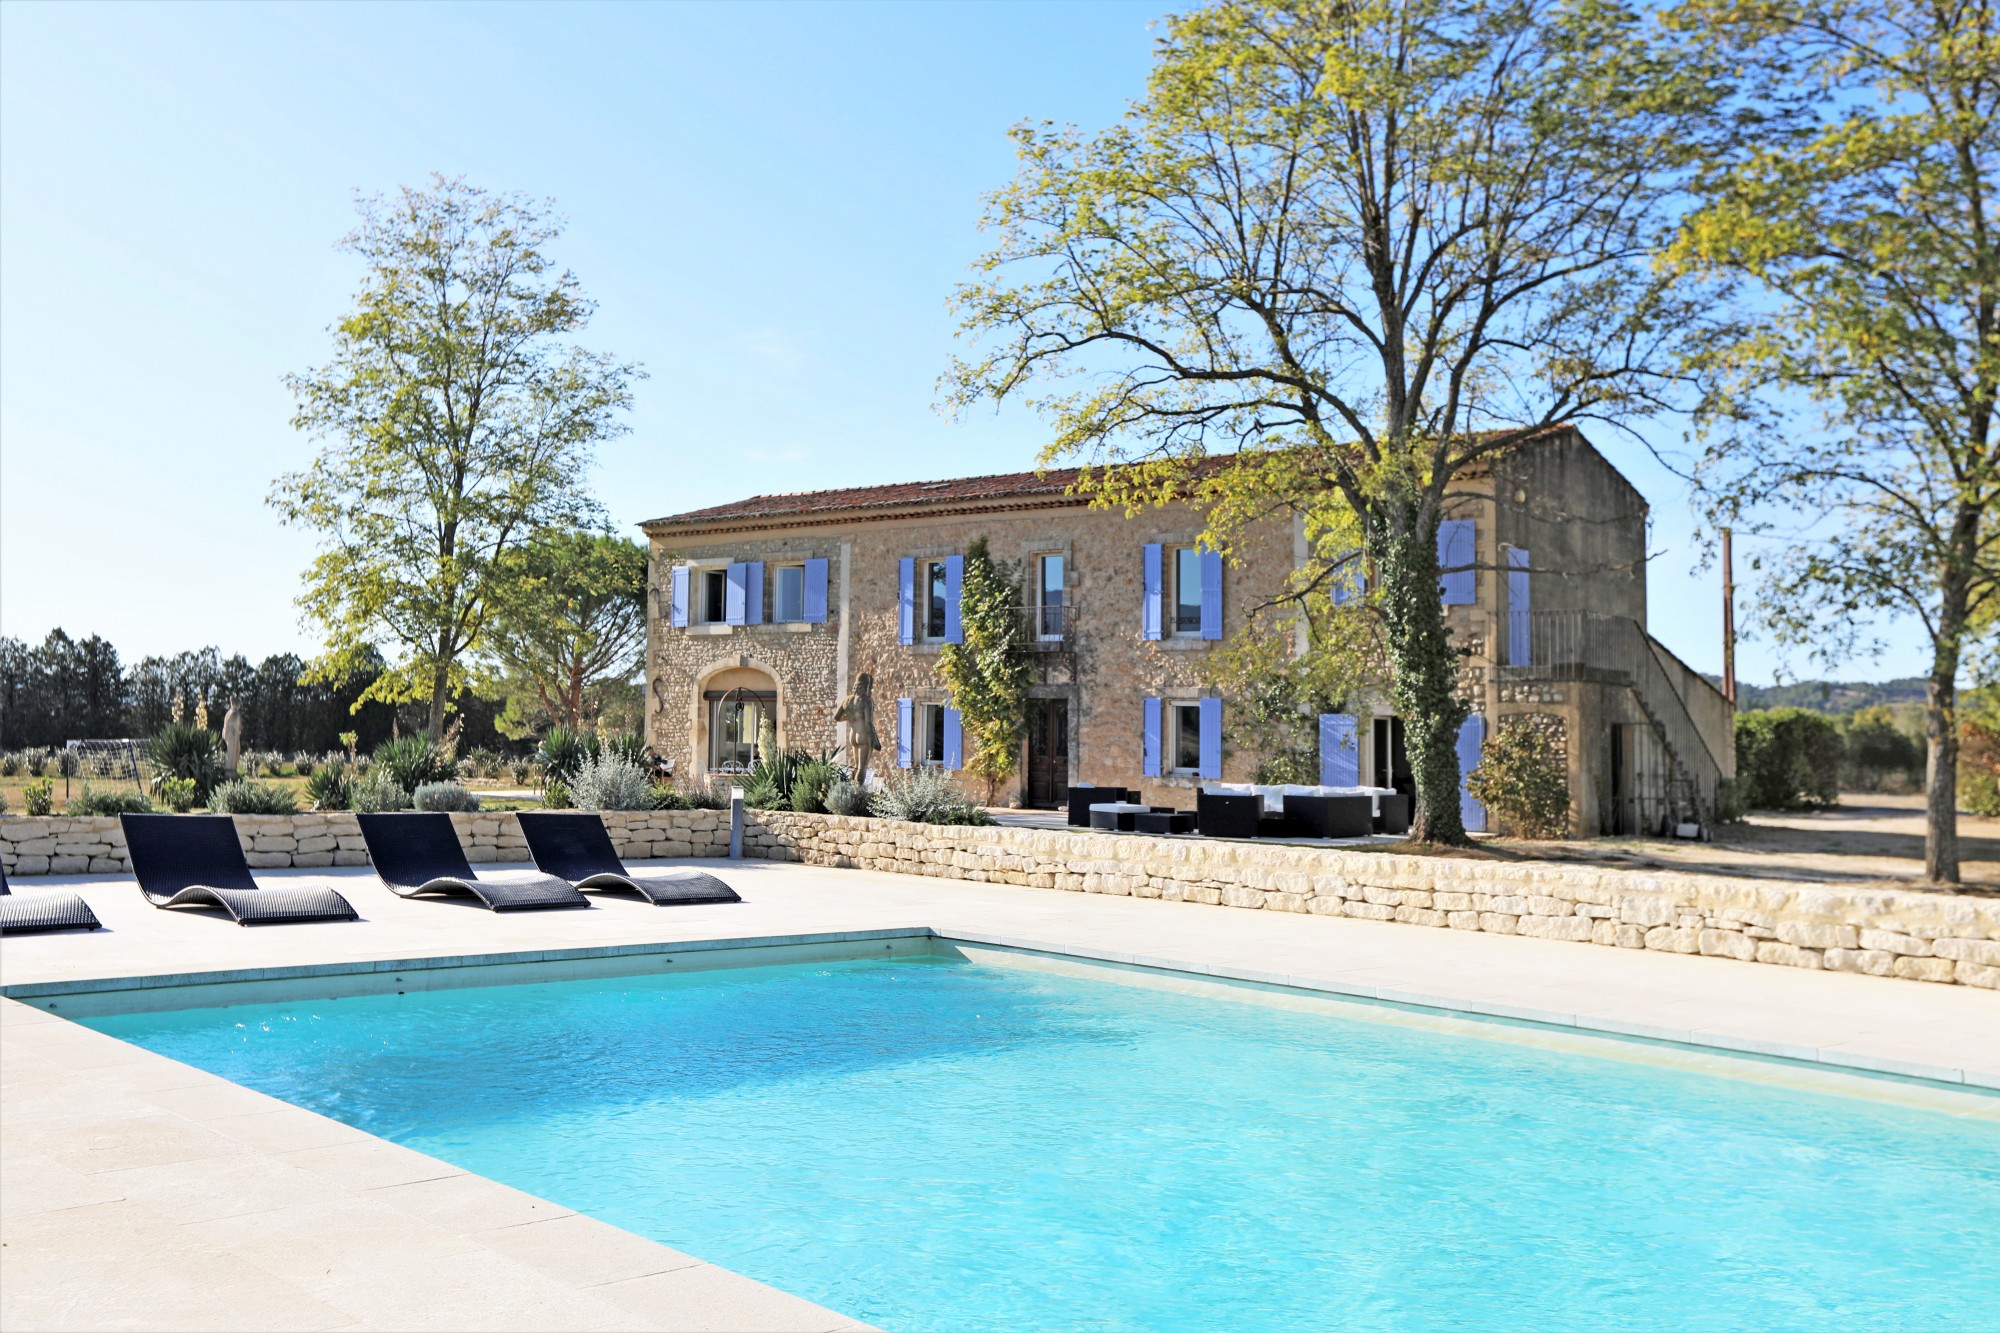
x=1728, y=621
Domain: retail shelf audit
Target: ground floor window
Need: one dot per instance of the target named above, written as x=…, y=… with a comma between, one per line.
x=930, y=734
x=1186, y=737
x=735, y=720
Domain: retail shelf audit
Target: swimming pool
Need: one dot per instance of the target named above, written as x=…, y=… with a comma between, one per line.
x=932, y=1144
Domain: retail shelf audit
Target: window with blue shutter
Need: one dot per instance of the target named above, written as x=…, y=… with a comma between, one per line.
x=954, y=740
x=677, y=606
x=1456, y=552
x=906, y=603
x=1211, y=739
x=738, y=576
x=954, y=584
x=1339, y=751
x=1151, y=733
x=753, y=593
x=1211, y=594
x=1520, y=619
x=1471, y=740
x=1151, y=605
x=815, y=592
x=905, y=725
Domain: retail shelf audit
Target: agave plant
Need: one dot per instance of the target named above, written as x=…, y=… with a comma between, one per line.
x=412, y=761
x=563, y=751
x=183, y=750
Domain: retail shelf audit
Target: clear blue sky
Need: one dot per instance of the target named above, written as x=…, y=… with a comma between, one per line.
x=771, y=204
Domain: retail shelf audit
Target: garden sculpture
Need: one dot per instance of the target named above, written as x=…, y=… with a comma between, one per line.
x=859, y=715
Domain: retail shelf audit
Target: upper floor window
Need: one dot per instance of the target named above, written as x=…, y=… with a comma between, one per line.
x=937, y=595
x=788, y=593
x=1049, y=603
x=1187, y=590
x=714, y=602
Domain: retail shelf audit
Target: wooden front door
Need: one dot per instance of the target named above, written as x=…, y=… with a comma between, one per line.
x=1048, y=753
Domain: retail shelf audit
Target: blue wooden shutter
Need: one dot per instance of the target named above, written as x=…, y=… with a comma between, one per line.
x=1211, y=739
x=905, y=723
x=753, y=593
x=1339, y=751
x=1150, y=607
x=734, y=580
x=816, y=592
x=677, y=607
x=954, y=583
x=906, y=603
x=1152, y=736
x=1456, y=552
x=1471, y=740
x=1520, y=621
x=1211, y=595
x=954, y=740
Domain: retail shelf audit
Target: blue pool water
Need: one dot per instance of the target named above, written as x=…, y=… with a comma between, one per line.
x=939, y=1145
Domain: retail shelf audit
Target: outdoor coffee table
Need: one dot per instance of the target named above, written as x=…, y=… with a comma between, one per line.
x=1164, y=821
x=1116, y=816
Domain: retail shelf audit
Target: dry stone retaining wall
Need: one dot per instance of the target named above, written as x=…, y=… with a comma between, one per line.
x=1882, y=932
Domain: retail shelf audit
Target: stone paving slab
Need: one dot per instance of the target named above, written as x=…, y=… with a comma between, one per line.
x=139, y=1192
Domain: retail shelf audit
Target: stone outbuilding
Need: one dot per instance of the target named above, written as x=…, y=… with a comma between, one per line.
x=774, y=606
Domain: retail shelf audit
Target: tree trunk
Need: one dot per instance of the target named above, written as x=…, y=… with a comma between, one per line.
x=1425, y=669
x=1941, y=726
x=440, y=701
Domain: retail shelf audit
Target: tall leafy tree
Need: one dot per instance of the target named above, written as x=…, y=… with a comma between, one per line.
x=457, y=418
x=1363, y=246
x=988, y=672
x=1857, y=226
x=570, y=616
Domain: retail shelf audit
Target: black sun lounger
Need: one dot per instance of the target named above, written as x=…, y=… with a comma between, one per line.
x=578, y=848
x=419, y=853
x=44, y=909
x=182, y=860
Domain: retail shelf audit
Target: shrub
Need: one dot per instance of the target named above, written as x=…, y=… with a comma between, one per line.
x=244, y=797
x=555, y=795
x=809, y=786
x=705, y=795
x=479, y=762
x=627, y=745
x=10, y=764
x=667, y=797
x=1524, y=782
x=761, y=793
x=843, y=797
x=610, y=782
x=330, y=786
x=40, y=796
x=445, y=796
x=926, y=796
x=523, y=771
x=1788, y=759
x=1881, y=756
x=89, y=802
x=178, y=794
x=412, y=761
x=378, y=793
x=36, y=761
x=562, y=751
x=1979, y=765
x=3, y=802
x=184, y=750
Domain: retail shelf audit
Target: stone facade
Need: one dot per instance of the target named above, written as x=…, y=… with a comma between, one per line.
x=1882, y=932
x=1556, y=503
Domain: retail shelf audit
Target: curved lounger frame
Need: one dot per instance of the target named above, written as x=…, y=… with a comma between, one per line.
x=196, y=860
x=45, y=909
x=577, y=848
x=418, y=853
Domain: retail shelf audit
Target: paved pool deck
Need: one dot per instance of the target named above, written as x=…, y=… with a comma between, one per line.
x=137, y=1192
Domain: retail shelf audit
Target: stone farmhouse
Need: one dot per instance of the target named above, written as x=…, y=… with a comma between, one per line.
x=772, y=608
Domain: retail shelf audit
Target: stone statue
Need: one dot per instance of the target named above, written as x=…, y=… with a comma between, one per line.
x=232, y=738
x=859, y=715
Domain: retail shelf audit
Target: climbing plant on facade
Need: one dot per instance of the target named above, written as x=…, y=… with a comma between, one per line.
x=988, y=674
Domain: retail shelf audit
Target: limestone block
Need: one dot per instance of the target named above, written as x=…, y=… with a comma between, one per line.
x=267, y=860
x=1924, y=969
x=1602, y=930
x=1543, y=905
x=100, y=865
x=1285, y=902
x=347, y=857
x=1465, y=920
x=1573, y=928
x=1238, y=896
x=1508, y=905
x=1383, y=897
x=31, y=865
x=1788, y=955
x=1890, y=941
x=1674, y=939
x=1498, y=923
x=321, y=858
x=1367, y=911
x=36, y=847
x=1810, y=934
x=1976, y=974
x=1420, y=916
x=1874, y=962
x=1983, y=953
x=1727, y=944
x=68, y=865
x=1451, y=902
x=1628, y=937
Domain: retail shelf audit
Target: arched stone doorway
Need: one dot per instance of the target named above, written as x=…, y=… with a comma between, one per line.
x=731, y=709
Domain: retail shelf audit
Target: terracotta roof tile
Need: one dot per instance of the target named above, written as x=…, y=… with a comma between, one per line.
x=998, y=486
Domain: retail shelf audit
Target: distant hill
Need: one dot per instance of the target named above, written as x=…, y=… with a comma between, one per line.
x=1829, y=696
